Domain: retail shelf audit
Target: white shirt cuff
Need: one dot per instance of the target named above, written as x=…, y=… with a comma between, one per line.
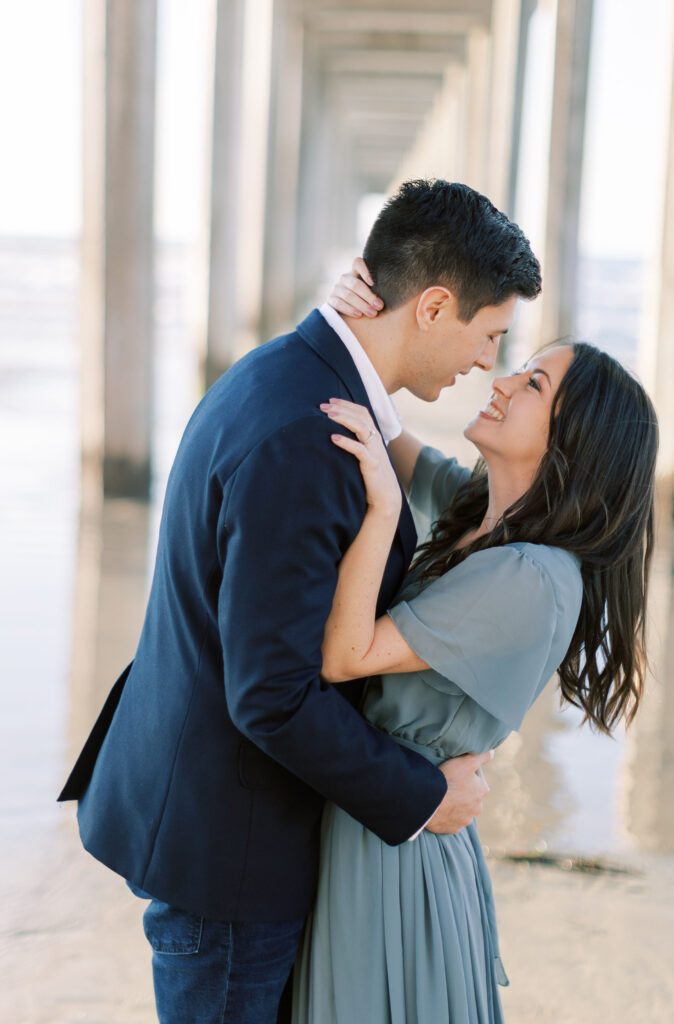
x=419, y=831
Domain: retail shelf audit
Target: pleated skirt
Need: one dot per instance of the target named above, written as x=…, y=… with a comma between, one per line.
x=399, y=935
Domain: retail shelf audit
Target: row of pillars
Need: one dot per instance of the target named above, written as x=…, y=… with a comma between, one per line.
x=474, y=134
x=270, y=142
x=248, y=290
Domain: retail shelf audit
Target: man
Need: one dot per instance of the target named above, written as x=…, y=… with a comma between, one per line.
x=203, y=780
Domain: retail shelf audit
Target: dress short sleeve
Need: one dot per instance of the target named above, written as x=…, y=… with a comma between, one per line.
x=498, y=625
x=435, y=481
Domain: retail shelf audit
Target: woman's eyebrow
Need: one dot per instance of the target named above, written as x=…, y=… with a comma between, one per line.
x=538, y=369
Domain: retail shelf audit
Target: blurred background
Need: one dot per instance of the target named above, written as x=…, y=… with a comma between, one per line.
x=180, y=182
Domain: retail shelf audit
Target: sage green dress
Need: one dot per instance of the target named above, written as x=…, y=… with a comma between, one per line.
x=407, y=934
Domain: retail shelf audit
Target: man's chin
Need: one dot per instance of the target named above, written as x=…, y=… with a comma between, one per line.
x=440, y=388
x=430, y=393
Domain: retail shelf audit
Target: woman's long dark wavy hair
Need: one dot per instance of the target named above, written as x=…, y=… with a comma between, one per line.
x=593, y=495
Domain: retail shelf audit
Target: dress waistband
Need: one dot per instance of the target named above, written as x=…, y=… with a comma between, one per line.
x=432, y=754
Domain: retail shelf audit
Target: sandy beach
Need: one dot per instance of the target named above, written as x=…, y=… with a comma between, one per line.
x=577, y=947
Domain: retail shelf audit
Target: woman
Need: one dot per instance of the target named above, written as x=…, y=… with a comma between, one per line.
x=537, y=561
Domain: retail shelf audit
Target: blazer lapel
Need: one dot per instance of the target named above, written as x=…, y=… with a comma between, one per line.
x=407, y=531
x=319, y=335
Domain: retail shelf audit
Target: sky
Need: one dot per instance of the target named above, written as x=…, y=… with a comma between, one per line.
x=40, y=109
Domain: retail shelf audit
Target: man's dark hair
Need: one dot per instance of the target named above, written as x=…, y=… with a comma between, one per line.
x=443, y=233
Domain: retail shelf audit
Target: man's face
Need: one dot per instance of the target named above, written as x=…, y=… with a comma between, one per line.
x=445, y=346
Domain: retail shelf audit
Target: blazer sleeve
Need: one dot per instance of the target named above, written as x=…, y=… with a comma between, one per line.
x=293, y=507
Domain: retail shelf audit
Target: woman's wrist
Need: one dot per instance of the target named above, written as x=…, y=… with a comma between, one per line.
x=381, y=521
x=385, y=515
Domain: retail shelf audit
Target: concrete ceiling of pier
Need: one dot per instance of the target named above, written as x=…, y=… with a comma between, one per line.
x=379, y=65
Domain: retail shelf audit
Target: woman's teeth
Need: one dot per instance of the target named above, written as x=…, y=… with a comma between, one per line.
x=493, y=413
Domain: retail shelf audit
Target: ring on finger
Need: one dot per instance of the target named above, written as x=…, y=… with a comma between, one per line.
x=369, y=436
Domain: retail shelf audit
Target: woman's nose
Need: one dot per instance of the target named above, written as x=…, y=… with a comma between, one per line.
x=504, y=385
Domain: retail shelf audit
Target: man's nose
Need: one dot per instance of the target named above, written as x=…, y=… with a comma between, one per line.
x=487, y=357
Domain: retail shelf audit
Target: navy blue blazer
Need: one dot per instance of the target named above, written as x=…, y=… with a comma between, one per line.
x=204, y=777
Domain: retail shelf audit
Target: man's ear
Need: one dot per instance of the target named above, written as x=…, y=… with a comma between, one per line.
x=433, y=303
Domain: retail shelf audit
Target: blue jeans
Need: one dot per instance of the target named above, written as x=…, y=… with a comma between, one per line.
x=217, y=972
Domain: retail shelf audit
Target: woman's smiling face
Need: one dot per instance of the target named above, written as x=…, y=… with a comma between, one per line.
x=513, y=427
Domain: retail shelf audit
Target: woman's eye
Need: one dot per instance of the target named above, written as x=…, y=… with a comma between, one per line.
x=534, y=383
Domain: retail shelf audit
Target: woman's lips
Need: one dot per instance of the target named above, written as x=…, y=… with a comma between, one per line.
x=492, y=412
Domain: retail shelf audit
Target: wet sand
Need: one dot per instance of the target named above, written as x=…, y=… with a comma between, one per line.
x=577, y=948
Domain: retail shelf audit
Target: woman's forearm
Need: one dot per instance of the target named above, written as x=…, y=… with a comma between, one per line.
x=355, y=642
x=350, y=629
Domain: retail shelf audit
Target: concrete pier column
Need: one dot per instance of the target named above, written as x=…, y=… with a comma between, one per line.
x=477, y=110
x=344, y=193
x=223, y=316
x=648, y=773
x=656, y=342
x=314, y=190
x=92, y=291
x=560, y=256
x=527, y=8
x=504, y=57
x=439, y=149
x=117, y=321
x=278, y=283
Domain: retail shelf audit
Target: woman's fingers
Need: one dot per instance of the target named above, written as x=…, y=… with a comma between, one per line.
x=345, y=299
x=351, y=284
x=354, y=417
x=381, y=485
x=354, y=291
x=360, y=269
x=345, y=403
x=339, y=300
x=352, y=296
x=353, y=445
x=364, y=283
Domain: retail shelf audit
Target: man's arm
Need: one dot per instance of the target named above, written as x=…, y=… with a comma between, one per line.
x=404, y=451
x=292, y=509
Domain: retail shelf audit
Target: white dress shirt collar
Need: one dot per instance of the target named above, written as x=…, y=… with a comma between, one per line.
x=382, y=404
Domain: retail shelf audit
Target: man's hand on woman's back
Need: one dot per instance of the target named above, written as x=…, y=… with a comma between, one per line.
x=466, y=789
